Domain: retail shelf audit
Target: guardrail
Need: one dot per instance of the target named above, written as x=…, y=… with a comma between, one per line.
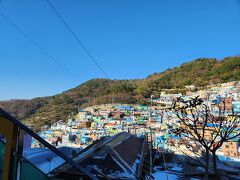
x=22, y=127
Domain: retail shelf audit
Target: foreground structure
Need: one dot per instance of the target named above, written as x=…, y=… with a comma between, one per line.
x=122, y=156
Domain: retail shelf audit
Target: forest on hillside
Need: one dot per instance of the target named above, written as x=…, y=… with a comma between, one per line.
x=45, y=110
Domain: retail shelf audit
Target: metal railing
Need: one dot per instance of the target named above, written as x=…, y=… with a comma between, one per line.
x=25, y=129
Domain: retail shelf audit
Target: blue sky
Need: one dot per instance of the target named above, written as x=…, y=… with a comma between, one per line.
x=129, y=39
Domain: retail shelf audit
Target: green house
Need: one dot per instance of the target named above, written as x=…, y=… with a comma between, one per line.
x=140, y=120
x=142, y=108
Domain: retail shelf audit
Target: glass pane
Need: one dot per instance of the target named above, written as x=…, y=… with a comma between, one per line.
x=40, y=156
x=40, y=161
x=28, y=170
x=2, y=150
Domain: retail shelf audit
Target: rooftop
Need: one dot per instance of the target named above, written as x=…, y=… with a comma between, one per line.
x=117, y=156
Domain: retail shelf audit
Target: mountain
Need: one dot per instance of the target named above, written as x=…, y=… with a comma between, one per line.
x=201, y=72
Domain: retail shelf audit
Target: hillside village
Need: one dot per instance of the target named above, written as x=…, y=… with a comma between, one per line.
x=120, y=90
x=98, y=121
x=145, y=140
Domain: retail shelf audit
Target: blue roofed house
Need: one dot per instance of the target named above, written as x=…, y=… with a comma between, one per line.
x=236, y=106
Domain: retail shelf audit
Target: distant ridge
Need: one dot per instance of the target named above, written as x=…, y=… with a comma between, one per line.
x=200, y=72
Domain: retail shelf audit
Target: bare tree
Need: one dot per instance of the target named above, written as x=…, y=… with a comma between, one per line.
x=225, y=127
x=204, y=127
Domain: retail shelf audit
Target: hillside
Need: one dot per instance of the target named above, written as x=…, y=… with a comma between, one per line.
x=200, y=72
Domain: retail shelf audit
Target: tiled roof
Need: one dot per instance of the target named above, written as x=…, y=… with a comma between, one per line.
x=119, y=154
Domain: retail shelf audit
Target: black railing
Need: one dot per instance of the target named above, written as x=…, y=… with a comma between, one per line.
x=46, y=144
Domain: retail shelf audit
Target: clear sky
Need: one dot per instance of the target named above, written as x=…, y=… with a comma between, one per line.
x=129, y=39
